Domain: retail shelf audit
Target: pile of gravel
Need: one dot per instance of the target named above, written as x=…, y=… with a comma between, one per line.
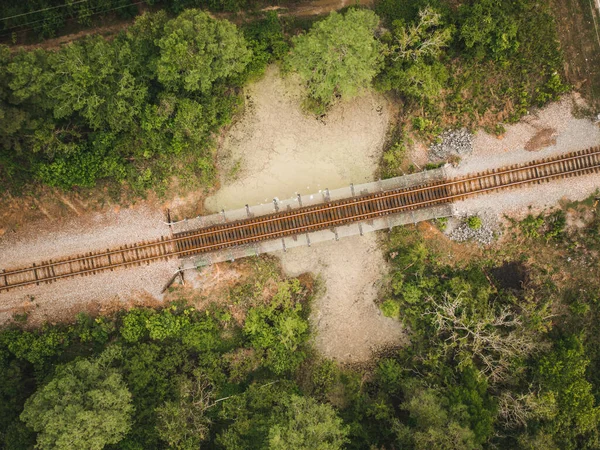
x=484, y=235
x=453, y=143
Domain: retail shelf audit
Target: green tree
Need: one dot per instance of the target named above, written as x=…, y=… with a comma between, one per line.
x=307, y=425
x=562, y=374
x=250, y=415
x=488, y=29
x=93, y=78
x=278, y=329
x=338, y=56
x=183, y=423
x=86, y=405
x=411, y=65
x=197, y=50
x=431, y=425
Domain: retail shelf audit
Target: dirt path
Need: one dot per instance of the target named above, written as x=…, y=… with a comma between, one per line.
x=349, y=326
x=276, y=150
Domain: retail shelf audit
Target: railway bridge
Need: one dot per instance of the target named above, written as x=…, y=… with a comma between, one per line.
x=245, y=236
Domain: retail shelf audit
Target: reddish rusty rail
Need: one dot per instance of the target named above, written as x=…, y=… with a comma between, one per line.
x=306, y=219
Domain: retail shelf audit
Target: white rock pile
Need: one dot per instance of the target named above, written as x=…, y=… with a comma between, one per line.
x=452, y=143
x=484, y=235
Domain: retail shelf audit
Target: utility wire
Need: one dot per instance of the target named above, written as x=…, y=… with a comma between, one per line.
x=63, y=16
x=45, y=9
x=79, y=17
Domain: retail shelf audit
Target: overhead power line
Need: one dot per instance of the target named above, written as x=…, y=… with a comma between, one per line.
x=82, y=16
x=45, y=9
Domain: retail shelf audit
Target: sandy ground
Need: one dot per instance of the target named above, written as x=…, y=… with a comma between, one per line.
x=349, y=325
x=278, y=151
x=567, y=134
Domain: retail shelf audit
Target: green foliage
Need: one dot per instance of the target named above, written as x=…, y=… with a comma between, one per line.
x=183, y=423
x=86, y=405
x=273, y=415
x=442, y=223
x=555, y=225
x=530, y=226
x=563, y=375
x=338, y=57
x=323, y=378
x=487, y=28
x=474, y=222
x=131, y=110
x=403, y=10
x=411, y=66
x=473, y=404
x=197, y=50
x=251, y=414
x=394, y=156
x=279, y=329
x=432, y=425
x=96, y=82
x=35, y=347
x=306, y=425
x=487, y=60
x=267, y=42
x=551, y=227
x=390, y=308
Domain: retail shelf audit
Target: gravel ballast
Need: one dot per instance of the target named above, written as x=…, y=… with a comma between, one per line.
x=491, y=152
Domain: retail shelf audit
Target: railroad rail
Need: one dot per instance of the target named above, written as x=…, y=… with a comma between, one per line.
x=305, y=219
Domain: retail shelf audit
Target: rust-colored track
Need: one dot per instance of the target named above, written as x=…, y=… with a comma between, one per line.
x=306, y=219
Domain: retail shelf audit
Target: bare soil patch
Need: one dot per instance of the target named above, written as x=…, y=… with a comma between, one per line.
x=349, y=326
x=541, y=139
x=276, y=150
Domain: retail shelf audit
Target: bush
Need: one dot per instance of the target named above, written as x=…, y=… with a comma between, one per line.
x=390, y=308
x=94, y=110
x=474, y=223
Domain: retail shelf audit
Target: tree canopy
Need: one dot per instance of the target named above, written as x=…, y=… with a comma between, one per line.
x=86, y=405
x=305, y=425
x=196, y=50
x=338, y=57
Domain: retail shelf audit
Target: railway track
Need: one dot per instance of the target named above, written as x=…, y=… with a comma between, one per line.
x=305, y=219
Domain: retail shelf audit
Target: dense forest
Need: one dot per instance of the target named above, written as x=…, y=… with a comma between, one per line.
x=503, y=354
x=147, y=104
x=503, y=349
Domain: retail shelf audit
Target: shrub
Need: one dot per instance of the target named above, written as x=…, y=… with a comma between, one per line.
x=390, y=308
x=474, y=223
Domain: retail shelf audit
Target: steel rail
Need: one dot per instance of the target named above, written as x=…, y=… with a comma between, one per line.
x=367, y=198
x=340, y=212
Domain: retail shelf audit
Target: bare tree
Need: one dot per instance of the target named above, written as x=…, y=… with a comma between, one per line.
x=422, y=38
x=494, y=338
x=183, y=423
x=514, y=410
